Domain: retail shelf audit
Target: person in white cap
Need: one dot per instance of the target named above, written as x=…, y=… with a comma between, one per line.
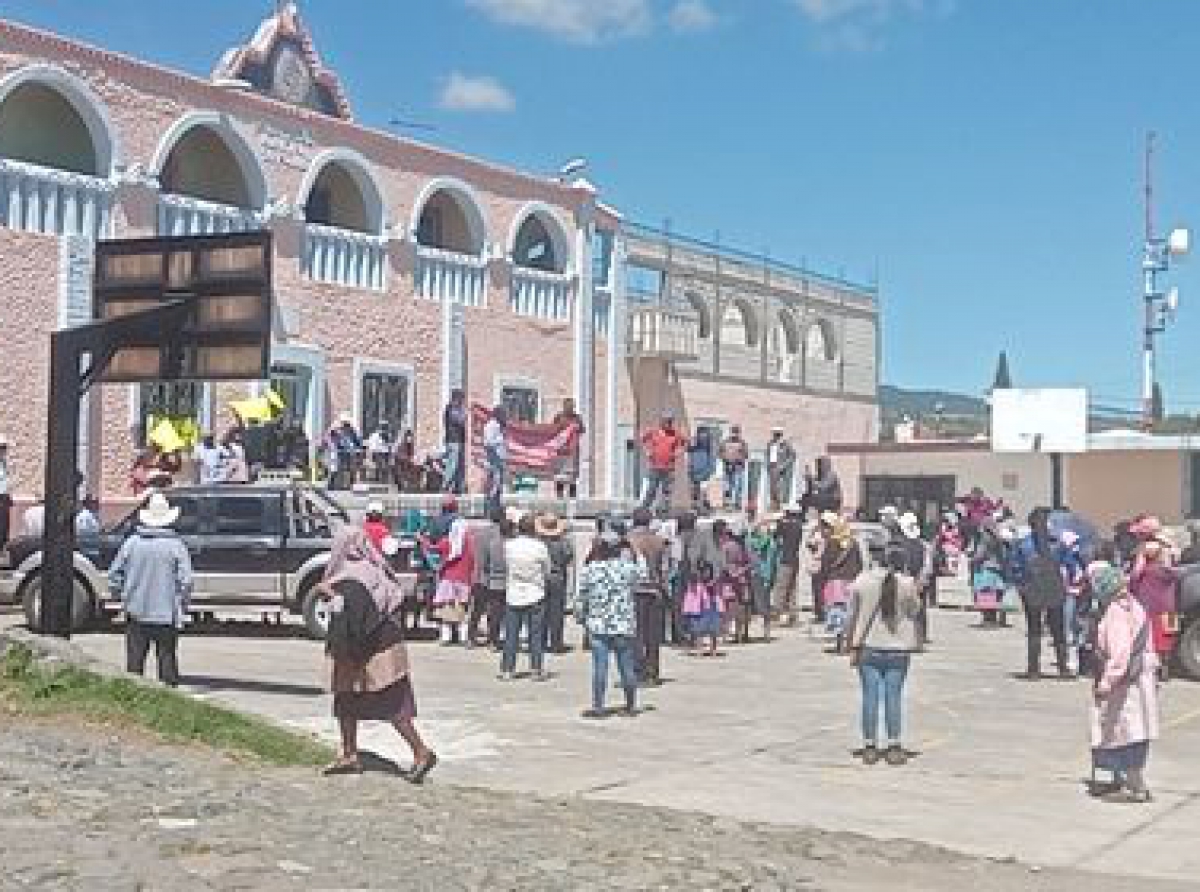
x=152, y=575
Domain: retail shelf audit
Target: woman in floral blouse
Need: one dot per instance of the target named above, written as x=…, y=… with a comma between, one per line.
x=604, y=606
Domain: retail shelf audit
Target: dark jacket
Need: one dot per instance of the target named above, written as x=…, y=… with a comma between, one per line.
x=789, y=533
x=652, y=549
x=841, y=561
x=354, y=631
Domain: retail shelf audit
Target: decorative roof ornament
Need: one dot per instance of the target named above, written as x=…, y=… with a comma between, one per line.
x=281, y=61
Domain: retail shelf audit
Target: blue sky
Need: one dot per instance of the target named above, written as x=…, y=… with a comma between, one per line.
x=984, y=155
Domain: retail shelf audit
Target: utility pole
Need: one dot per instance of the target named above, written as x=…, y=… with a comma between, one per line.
x=1158, y=307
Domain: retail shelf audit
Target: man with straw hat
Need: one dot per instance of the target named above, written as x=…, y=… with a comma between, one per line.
x=152, y=575
x=552, y=530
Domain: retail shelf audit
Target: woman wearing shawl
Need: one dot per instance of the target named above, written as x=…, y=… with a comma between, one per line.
x=1124, y=714
x=841, y=564
x=988, y=581
x=1153, y=582
x=764, y=564
x=365, y=652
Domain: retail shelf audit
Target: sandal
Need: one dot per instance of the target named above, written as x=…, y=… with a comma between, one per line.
x=343, y=766
x=419, y=772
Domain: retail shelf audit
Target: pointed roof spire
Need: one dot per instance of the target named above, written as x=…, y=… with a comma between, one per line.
x=282, y=61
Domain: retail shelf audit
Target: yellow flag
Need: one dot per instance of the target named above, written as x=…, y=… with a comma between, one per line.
x=275, y=401
x=165, y=437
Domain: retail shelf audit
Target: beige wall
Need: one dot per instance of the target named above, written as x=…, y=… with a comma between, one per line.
x=1109, y=487
x=1023, y=481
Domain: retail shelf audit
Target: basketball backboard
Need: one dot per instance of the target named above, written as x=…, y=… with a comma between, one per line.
x=1050, y=420
x=225, y=281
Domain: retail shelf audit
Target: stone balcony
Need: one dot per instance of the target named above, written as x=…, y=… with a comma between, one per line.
x=663, y=334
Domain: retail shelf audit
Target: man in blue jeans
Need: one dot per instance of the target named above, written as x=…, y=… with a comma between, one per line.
x=604, y=605
x=495, y=451
x=454, y=433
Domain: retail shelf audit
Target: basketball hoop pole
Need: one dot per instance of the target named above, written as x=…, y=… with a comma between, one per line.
x=68, y=383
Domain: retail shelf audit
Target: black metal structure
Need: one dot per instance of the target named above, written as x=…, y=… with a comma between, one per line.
x=164, y=309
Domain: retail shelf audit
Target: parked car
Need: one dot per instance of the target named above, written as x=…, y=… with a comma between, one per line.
x=259, y=547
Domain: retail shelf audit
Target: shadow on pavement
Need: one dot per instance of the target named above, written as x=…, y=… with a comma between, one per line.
x=216, y=683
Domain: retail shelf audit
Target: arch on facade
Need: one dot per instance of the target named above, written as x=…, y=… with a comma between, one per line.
x=52, y=118
x=703, y=315
x=340, y=190
x=204, y=156
x=538, y=240
x=785, y=336
x=820, y=341
x=739, y=324
x=449, y=217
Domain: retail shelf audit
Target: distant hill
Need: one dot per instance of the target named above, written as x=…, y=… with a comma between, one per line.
x=896, y=402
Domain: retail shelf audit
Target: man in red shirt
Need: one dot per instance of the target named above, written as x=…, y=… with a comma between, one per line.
x=662, y=446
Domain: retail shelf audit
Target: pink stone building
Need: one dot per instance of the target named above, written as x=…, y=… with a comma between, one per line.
x=402, y=269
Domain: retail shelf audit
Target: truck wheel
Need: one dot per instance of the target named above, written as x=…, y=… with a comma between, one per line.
x=316, y=614
x=1188, y=651
x=82, y=608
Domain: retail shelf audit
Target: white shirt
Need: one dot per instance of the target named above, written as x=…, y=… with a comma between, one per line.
x=4, y=475
x=493, y=438
x=528, y=562
x=86, y=523
x=35, y=521
x=773, y=452
x=377, y=444
x=209, y=460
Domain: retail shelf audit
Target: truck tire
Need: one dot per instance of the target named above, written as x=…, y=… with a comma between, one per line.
x=82, y=604
x=1188, y=651
x=315, y=612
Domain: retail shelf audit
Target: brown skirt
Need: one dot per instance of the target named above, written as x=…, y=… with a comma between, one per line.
x=396, y=701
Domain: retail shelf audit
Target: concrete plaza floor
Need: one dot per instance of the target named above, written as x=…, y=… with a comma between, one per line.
x=765, y=734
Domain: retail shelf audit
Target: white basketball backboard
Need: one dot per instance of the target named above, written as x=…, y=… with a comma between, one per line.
x=1040, y=420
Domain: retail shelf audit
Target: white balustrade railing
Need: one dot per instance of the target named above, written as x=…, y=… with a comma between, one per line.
x=533, y=292
x=447, y=275
x=663, y=334
x=55, y=202
x=184, y=215
x=344, y=257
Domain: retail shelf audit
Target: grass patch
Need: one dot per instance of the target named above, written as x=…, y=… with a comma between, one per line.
x=37, y=690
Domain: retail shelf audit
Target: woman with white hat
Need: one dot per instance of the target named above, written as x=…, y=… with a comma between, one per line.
x=152, y=575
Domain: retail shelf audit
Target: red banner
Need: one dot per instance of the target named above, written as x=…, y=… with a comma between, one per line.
x=532, y=448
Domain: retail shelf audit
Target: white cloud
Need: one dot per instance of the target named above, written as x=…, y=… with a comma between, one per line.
x=463, y=92
x=859, y=25
x=582, y=21
x=690, y=16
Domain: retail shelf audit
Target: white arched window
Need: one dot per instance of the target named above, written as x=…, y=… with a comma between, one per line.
x=821, y=341
x=56, y=154
x=540, y=251
x=344, y=221
x=739, y=328
x=784, y=346
x=699, y=308
x=210, y=178
x=452, y=238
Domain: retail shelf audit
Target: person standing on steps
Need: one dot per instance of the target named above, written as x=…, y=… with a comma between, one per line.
x=781, y=460
x=568, y=424
x=884, y=633
x=663, y=446
x=454, y=441
x=495, y=451
x=366, y=658
x=734, y=455
x=152, y=576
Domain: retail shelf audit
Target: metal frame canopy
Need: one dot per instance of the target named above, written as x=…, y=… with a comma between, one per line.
x=164, y=309
x=224, y=281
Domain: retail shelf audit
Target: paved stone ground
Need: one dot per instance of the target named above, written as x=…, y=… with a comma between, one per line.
x=86, y=810
x=764, y=735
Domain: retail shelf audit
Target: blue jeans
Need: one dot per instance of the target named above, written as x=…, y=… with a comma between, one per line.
x=456, y=468
x=495, y=479
x=1071, y=622
x=658, y=484
x=735, y=483
x=531, y=618
x=882, y=672
x=622, y=646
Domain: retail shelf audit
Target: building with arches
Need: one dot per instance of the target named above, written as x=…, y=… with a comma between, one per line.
x=402, y=269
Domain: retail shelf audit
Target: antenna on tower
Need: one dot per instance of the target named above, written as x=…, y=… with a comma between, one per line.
x=1149, y=184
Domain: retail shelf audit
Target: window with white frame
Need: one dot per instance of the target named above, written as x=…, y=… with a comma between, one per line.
x=170, y=399
x=384, y=396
